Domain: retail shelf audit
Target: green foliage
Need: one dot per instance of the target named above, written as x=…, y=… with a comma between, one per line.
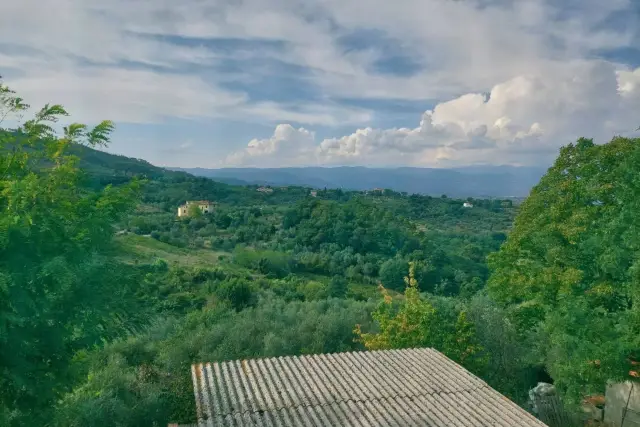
x=59, y=290
x=463, y=345
x=392, y=273
x=313, y=290
x=194, y=211
x=508, y=361
x=418, y=323
x=270, y=263
x=146, y=380
x=410, y=326
x=237, y=292
x=160, y=265
x=258, y=277
x=568, y=271
x=337, y=287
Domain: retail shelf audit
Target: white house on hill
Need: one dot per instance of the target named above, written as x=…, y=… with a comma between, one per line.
x=265, y=190
x=204, y=205
x=467, y=205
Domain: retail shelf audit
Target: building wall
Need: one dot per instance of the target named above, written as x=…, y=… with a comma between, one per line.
x=616, y=399
x=184, y=210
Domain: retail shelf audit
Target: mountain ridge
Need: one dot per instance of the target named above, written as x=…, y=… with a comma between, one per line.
x=470, y=181
x=478, y=181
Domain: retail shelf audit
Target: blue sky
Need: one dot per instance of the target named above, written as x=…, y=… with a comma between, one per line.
x=339, y=82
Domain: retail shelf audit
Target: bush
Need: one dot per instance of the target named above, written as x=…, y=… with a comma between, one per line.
x=146, y=380
x=160, y=265
x=393, y=272
x=337, y=287
x=236, y=292
x=313, y=290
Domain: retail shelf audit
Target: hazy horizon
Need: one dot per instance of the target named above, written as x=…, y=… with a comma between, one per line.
x=469, y=181
x=358, y=166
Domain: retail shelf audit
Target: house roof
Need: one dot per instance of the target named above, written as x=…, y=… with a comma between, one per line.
x=419, y=387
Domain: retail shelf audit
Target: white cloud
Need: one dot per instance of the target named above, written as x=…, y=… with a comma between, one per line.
x=523, y=120
x=125, y=61
x=132, y=96
x=500, y=39
x=287, y=145
x=140, y=96
x=328, y=115
x=629, y=83
x=83, y=59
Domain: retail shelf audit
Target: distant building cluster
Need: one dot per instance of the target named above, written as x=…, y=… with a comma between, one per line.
x=204, y=205
x=467, y=205
x=314, y=193
x=374, y=191
x=265, y=190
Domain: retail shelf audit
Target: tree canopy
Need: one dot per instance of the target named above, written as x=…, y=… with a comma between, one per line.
x=59, y=291
x=569, y=271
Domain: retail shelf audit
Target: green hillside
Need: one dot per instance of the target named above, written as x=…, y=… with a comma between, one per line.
x=277, y=255
x=108, y=297
x=169, y=291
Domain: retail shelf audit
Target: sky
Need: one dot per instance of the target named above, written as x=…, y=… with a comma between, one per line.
x=274, y=83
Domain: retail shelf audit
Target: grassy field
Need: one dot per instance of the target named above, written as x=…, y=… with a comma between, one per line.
x=134, y=249
x=142, y=249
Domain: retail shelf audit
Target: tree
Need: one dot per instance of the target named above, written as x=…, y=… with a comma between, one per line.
x=508, y=360
x=570, y=267
x=411, y=326
x=337, y=287
x=237, y=292
x=392, y=273
x=417, y=323
x=470, y=287
x=194, y=211
x=59, y=291
x=463, y=346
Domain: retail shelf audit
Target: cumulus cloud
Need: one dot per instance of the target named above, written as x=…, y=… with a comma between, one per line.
x=287, y=146
x=629, y=83
x=522, y=120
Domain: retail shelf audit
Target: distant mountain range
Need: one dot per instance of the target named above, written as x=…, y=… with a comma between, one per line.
x=472, y=181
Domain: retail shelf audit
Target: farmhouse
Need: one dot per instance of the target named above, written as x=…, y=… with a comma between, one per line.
x=204, y=205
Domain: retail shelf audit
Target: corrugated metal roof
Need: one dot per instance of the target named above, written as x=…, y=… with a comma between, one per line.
x=411, y=387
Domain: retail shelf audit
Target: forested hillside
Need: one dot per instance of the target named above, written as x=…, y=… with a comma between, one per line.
x=108, y=296
x=477, y=181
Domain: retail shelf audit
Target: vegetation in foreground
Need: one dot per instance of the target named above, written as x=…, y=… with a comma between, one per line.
x=107, y=297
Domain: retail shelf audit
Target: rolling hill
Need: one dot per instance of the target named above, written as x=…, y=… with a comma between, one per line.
x=475, y=181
